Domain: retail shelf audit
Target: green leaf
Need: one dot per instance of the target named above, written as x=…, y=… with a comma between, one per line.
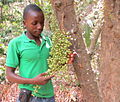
x=88, y=30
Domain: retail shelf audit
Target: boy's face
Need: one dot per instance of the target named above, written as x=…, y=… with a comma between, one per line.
x=34, y=23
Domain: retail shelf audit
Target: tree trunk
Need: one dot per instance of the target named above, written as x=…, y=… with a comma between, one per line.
x=110, y=53
x=64, y=10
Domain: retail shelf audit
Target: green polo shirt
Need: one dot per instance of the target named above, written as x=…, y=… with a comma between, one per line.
x=31, y=60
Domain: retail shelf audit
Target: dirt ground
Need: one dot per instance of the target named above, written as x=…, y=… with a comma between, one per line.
x=10, y=92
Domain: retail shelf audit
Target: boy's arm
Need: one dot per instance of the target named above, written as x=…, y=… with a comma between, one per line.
x=38, y=80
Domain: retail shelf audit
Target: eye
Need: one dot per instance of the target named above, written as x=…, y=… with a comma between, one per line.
x=34, y=23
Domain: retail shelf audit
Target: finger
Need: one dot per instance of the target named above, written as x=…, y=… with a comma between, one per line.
x=44, y=82
x=49, y=77
x=43, y=74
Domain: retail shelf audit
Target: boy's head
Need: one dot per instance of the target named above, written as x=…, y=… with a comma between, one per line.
x=33, y=19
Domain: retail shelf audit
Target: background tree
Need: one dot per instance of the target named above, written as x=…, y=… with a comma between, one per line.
x=110, y=53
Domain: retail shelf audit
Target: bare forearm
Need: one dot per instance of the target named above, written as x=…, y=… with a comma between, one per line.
x=41, y=79
x=12, y=77
x=20, y=80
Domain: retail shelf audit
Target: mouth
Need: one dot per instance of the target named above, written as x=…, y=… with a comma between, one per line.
x=38, y=31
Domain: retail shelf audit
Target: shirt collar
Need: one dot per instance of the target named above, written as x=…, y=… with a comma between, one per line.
x=26, y=39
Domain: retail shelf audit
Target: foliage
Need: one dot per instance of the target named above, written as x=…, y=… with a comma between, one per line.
x=9, y=1
x=2, y=74
x=10, y=27
x=1, y=51
x=11, y=24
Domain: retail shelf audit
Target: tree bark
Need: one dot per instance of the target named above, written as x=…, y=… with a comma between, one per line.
x=64, y=10
x=110, y=53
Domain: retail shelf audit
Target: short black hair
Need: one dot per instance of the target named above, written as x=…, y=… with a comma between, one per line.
x=32, y=7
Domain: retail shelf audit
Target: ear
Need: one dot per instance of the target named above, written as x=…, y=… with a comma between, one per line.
x=24, y=23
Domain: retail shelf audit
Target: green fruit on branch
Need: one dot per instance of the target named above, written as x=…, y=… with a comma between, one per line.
x=59, y=52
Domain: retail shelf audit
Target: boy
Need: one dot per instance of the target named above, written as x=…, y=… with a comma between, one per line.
x=29, y=52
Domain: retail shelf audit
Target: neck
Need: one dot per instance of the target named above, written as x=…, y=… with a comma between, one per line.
x=32, y=36
x=37, y=39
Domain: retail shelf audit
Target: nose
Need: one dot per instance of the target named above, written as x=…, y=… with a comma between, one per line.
x=39, y=26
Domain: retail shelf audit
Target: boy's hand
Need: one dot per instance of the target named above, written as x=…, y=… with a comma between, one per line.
x=41, y=79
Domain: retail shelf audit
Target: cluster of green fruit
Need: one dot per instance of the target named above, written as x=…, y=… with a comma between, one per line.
x=59, y=54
